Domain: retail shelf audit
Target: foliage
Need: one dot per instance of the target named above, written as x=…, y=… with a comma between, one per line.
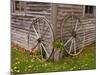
x=22, y=62
x=59, y=44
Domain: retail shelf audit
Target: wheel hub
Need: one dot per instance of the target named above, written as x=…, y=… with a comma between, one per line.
x=39, y=40
x=74, y=34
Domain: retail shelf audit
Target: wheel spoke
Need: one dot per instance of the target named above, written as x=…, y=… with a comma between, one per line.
x=40, y=47
x=48, y=46
x=45, y=43
x=45, y=50
x=35, y=31
x=74, y=46
x=39, y=28
x=80, y=28
x=76, y=25
x=68, y=41
x=44, y=33
x=71, y=46
x=75, y=41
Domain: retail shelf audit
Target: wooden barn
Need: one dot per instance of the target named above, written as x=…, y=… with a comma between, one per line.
x=40, y=24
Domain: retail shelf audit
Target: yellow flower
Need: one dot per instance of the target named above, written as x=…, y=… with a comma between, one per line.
x=18, y=62
x=79, y=68
x=16, y=59
x=15, y=67
x=65, y=62
x=32, y=60
x=29, y=66
x=86, y=64
x=18, y=71
x=45, y=64
x=71, y=69
x=29, y=69
x=25, y=69
x=74, y=67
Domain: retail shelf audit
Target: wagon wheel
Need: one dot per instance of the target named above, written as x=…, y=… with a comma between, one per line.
x=40, y=37
x=73, y=35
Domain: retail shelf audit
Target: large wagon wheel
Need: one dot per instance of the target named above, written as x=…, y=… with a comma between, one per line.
x=40, y=37
x=72, y=34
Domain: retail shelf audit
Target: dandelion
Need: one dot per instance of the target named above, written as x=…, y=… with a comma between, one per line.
x=17, y=70
x=86, y=64
x=15, y=67
x=29, y=69
x=45, y=64
x=71, y=69
x=79, y=68
x=74, y=67
x=16, y=59
x=29, y=66
x=25, y=69
x=18, y=62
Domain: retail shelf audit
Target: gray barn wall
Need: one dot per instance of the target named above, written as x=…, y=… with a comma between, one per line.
x=89, y=23
x=20, y=21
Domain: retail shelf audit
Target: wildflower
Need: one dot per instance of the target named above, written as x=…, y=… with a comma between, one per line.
x=17, y=70
x=32, y=60
x=74, y=67
x=79, y=68
x=86, y=65
x=29, y=69
x=45, y=64
x=15, y=67
x=18, y=62
x=16, y=59
x=71, y=69
x=29, y=66
x=65, y=63
x=25, y=69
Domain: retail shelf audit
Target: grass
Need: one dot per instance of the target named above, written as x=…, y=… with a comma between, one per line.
x=23, y=63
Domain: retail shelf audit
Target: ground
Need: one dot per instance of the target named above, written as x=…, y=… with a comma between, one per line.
x=22, y=62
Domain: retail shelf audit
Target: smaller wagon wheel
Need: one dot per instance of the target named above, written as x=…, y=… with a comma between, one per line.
x=40, y=37
x=73, y=35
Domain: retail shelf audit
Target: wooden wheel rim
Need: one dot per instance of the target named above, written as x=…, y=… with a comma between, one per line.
x=77, y=35
x=43, y=42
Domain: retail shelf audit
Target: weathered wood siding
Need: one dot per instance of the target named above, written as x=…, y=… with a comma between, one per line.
x=89, y=24
x=90, y=30
x=64, y=10
x=20, y=21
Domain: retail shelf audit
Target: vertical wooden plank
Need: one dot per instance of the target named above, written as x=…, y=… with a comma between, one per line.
x=83, y=10
x=54, y=17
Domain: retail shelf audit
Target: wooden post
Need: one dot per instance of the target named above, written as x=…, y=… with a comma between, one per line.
x=54, y=17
